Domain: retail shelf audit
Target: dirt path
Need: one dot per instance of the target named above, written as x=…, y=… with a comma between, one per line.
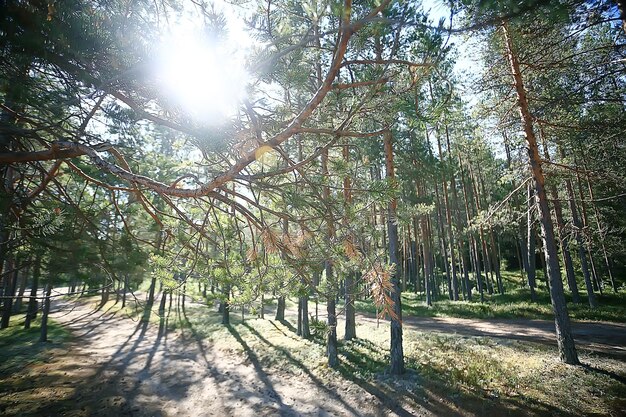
x=119, y=367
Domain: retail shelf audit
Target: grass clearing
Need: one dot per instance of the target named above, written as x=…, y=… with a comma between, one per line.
x=20, y=348
x=514, y=304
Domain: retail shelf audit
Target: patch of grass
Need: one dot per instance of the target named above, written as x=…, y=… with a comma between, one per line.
x=513, y=304
x=20, y=347
x=512, y=375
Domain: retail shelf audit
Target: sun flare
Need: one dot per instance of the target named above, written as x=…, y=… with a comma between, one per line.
x=201, y=77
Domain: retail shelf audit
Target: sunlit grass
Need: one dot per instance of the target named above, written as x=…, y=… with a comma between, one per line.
x=514, y=304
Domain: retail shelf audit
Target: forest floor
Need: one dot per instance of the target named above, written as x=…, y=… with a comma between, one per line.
x=186, y=364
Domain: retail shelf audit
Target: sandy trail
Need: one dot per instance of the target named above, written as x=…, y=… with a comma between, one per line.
x=121, y=367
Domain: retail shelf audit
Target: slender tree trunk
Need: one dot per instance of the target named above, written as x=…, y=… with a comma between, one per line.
x=585, y=218
x=280, y=309
x=565, y=341
x=125, y=290
x=472, y=240
x=349, y=284
x=305, y=330
x=32, y=301
x=531, y=272
x=331, y=337
x=563, y=237
x=444, y=243
x=451, y=242
x=19, y=300
x=465, y=263
x=427, y=260
x=9, y=294
x=43, y=336
x=397, y=353
x=225, y=306
x=602, y=234
x=593, y=303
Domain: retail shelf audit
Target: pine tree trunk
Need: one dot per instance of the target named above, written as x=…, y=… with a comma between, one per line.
x=451, y=242
x=474, y=257
x=331, y=337
x=444, y=243
x=125, y=290
x=607, y=261
x=9, y=294
x=396, y=353
x=531, y=272
x=350, y=331
x=225, y=306
x=280, y=309
x=305, y=330
x=565, y=341
x=597, y=281
x=43, y=336
x=19, y=300
x=465, y=263
x=32, y=301
x=593, y=303
x=349, y=284
x=563, y=238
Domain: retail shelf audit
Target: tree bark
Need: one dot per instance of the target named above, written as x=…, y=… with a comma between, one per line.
x=349, y=284
x=397, y=353
x=32, y=301
x=565, y=341
x=593, y=303
x=331, y=336
x=451, y=241
x=280, y=309
x=531, y=272
x=563, y=238
x=9, y=294
x=43, y=336
x=225, y=306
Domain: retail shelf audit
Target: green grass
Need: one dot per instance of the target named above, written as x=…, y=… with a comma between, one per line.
x=515, y=303
x=19, y=347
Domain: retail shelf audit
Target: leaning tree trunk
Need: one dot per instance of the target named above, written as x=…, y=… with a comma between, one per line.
x=565, y=341
x=397, y=353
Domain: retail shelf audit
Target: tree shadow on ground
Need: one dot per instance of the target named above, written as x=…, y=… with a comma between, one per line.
x=302, y=367
x=428, y=387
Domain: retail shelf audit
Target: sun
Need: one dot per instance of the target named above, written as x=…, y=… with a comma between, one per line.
x=202, y=77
